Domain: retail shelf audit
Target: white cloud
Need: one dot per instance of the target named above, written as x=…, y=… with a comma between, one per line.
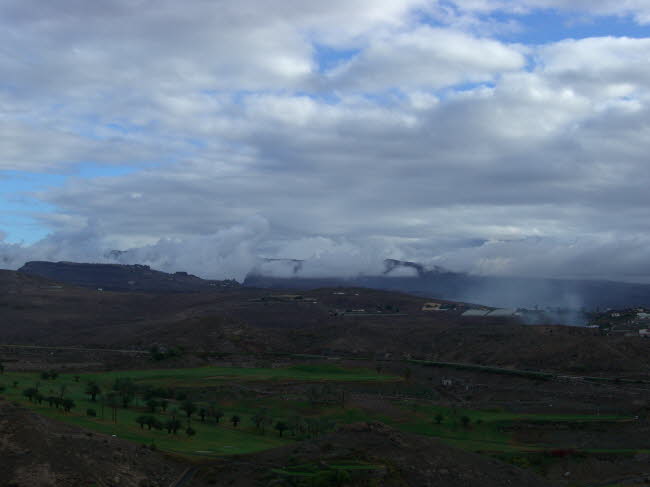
x=426, y=58
x=638, y=9
x=602, y=67
x=382, y=155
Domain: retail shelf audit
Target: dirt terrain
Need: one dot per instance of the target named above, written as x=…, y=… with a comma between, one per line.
x=46, y=325
x=38, y=452
x=35, y=311
x=403, y=460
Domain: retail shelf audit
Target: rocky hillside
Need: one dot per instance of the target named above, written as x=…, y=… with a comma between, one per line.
x=37, y=451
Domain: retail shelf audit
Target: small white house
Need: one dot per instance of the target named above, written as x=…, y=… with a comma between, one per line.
x=432, y=307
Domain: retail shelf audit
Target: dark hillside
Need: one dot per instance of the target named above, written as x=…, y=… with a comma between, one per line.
x=37, y=451
x=115, y=277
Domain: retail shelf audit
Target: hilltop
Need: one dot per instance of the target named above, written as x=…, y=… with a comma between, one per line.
x=118, y=277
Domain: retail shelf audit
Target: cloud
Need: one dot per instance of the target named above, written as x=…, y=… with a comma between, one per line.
x=638, y=9
x=602, y=67
x=426, y=58
x=223, y=254
x=342, y=133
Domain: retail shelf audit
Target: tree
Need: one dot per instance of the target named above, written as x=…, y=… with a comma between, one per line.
x=172, y=425
x=202, y=413
x=30, y=392
x=438, y=418
x=153, y=422
x=67, y=404
x=126, y=388
x=281, y=426
x=235, y=420
x=163, y=404
x=465, y=420
x=152, y=404
x=189, y=408
x=113, y=401
x=2, y=368
x=190, y=432
x=92, y=389
x=218, y=414
x=173, y=413
x=141, y=420
x=260, y=418
x=76, y=378
x=91, y=412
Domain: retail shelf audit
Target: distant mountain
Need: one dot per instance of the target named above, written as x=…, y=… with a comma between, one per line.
x=511, y=292
x=117, y=277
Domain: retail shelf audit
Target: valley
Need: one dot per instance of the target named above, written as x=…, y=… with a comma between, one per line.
x=321, y=386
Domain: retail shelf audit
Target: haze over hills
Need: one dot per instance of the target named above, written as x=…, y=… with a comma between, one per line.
x=414, y=278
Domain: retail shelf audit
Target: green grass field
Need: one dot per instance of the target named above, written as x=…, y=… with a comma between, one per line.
x=484, y=430
x=210, y=438
x=469, y=429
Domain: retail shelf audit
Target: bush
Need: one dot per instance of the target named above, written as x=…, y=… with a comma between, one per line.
x=91, y=412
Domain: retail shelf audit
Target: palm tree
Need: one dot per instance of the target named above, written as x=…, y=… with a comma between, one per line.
x=189, y=407
x=218, y=415
x=92, y=389
x=67, y=404
x=281, y=426
x=172, y=425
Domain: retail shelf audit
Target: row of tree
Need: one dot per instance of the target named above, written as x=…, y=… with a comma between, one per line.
x=34, y=395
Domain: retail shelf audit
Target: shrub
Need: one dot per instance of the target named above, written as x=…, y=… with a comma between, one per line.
x=91, y=412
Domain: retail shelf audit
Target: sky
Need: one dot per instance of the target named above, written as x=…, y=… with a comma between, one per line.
x=494, y=137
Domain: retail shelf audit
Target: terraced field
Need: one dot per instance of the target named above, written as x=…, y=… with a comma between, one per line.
x=210, y=437
x=285, y=418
